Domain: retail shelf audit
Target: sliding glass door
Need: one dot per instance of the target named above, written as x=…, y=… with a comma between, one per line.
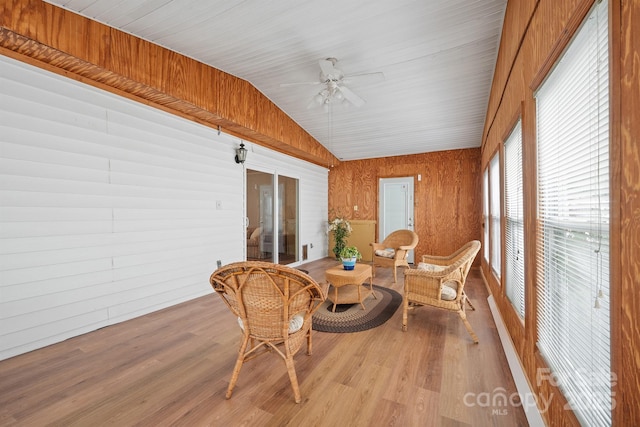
x=272, y=217
x=288, y=220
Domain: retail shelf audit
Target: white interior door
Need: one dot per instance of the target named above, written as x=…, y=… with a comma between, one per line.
x=396, y=206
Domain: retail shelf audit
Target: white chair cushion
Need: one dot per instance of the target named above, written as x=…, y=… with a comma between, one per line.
x=295, y=324
x=387, y=253
x=430, y=267
x=449, y=289
x=447, y=293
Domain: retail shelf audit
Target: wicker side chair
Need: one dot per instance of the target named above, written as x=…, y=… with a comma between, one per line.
x=394, y=250
x=274, y=305
x=439, y=282
x=253, y=242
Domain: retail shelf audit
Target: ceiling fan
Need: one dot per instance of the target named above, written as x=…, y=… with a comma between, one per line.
x=333, y=82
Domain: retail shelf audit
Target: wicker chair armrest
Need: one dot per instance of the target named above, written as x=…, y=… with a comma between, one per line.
x=422, y=282
x=437, y=260
x=447, y=274
x=430, y=283
x=463, y=254
x=400, y=254
x=377, y=246
x=324, y=288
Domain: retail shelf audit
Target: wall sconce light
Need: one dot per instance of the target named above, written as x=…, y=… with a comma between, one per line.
x=241, y=153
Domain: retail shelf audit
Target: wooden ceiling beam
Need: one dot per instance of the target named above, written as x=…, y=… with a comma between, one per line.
x=68, y=44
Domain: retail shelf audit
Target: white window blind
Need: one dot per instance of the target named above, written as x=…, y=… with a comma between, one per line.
x=573, y=213
x=485, y=213
x=494, y=207
x=514, y=220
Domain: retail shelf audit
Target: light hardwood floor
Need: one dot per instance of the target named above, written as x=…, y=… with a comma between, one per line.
x=172, y=367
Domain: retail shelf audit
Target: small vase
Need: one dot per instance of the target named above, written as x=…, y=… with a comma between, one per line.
x=349, y=263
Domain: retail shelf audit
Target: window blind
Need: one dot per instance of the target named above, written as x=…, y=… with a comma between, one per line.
x=494, y=207
x=514, y=220
x=573, y=213
x=485, y=213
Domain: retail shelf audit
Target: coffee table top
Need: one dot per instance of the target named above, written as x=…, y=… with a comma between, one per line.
x=338, y=276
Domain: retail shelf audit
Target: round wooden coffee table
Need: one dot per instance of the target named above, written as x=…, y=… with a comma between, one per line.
x=348, y=285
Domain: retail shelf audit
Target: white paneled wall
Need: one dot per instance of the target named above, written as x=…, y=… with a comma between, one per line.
x=108, y=207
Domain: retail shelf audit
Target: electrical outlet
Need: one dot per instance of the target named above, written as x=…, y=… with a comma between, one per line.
x=219, y=263
x=311, y=245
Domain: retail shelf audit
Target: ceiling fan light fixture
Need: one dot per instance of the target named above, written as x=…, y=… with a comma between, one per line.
x=333, y=89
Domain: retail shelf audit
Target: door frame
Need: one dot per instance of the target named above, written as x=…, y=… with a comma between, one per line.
x=408, y=218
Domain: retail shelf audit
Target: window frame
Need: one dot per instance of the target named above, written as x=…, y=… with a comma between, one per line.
x=573, y=318
x=495, y=216
x=485, y=213
x=514, y=250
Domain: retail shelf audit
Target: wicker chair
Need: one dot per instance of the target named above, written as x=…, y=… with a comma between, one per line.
x=393, y=250
x=274, y=305
x=253, y=242
x=439, y=281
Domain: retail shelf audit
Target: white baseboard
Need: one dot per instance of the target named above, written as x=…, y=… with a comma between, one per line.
x=531, y=410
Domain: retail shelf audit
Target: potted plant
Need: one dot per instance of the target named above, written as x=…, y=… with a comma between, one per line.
x=341, y=229
x=349, y=256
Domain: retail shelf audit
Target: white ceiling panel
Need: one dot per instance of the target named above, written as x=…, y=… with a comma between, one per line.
x=437, y=56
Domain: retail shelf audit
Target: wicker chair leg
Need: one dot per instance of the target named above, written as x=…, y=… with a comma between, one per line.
x=466, y=298
x=395, y=276
x=405, y=308
x=236, y=369
x=291, y=370
x=467, y=325
x=309, y=345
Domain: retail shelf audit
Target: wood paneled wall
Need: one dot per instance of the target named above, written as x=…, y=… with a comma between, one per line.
x=63, y=42
x=447, y=199
x=535, y=33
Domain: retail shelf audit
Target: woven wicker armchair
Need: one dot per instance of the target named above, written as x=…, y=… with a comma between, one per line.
x=274, y=305
x=393, y=250
x=439, y=282
x=254, y=234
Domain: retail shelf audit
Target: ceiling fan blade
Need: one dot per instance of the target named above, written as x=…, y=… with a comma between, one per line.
x=351, y=97
x=364, y=78
x=313, y=103
x=299, y=84
x=327, y=67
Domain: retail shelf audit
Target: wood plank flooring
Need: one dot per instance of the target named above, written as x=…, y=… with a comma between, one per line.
x=172, y=367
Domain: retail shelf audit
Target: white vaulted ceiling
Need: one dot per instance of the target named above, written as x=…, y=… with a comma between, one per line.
x=437, y=56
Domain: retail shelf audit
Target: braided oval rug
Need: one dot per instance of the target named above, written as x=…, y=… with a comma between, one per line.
x=352, y=318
